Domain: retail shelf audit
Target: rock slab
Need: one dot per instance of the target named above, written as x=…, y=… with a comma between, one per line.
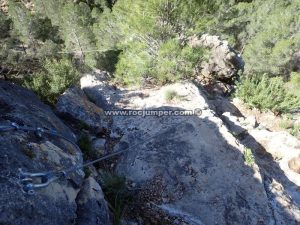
x=199, y=162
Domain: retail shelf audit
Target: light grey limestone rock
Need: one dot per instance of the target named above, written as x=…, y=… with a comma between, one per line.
x=74, y=105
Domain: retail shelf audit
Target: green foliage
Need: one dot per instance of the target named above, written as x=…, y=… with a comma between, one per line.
x=137, y=39
x=267, y=32
x=117, y=194
x=32, y=27
x=51, y=9
x=169, y=63
x=291, y=127
x=43, y=30
x=4, y=26
x=134, y=39
x=30, y=39
x=170, y=95
x=295, y=131
x=175, y=62
x=295, y=79
x=98, y=4
x=48, y=50
x=22, y=20
x=106, y=30
x=294, y=84
x=147, y=33
x=134, y=64
x=77, y=33
x=74, y=23
x=249, y=157
x=7, y=42
x=267, y=93
x=108, y=60
x=54, y=79
x=285, y=124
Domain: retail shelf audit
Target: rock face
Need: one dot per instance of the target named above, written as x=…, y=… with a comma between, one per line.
x=92, y=207
x=277, y=155
x=74, y=105
x=224, y=62
x=52, y=205
x=189, y=155
x=198, y=163
x=55, y=204
x=186, y=158
x=194, y=165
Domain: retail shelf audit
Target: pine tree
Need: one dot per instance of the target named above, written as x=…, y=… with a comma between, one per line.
x=267, y=33
x=22, y=20
x=51, y=9
x=142, y=29
x=76, y=29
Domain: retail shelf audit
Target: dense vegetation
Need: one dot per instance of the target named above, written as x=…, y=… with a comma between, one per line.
x=47, y=42
x=267, y=93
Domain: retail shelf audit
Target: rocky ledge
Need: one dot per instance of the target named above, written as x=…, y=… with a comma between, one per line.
x=59, y=203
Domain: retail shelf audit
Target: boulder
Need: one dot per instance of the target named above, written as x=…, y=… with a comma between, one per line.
x=224, y=62
x=97, y=89
x=92, y=207
x=75, y=106
x=54, y=204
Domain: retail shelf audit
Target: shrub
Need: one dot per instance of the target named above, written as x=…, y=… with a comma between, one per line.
x=53, y=80
x=170, y=62
x=267, y=35
x=292, y=127
x=249, y=157
x=170, y=95
x=267, y=93
x=285, y=124
x=116, y=193
x=295, y=131
x=107, y=60
x=294, y=84
x=148, y=34
x=134, y=64
x=175, y=62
